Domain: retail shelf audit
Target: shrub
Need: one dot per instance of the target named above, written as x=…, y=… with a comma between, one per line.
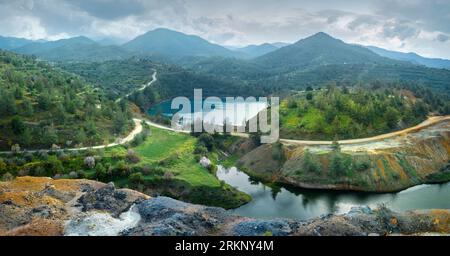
x=340, y=164
x=89, y=162
x=207, y=140
x=309, y=163
x=168, y=175
x=73, y=175
x=7, y=177
x=122, y=169
x=43, y=155
x=136, y=177
x=54, y=165
x=362, y=165
x=17, y=126
x=200, y=149
x=28, y=156
x=81, y=174
x=146, y=169
x=15, y=148
x=291, y=103
x=3, y=165
x=132, y=157
x=100, y=172
x=170, y=160
x=140, y=138
x=277, y=151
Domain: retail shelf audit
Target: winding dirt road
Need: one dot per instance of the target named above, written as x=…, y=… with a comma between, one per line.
x=430, y=121
x=154, y=79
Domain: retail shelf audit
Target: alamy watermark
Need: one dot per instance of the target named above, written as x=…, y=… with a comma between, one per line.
x=212, y=115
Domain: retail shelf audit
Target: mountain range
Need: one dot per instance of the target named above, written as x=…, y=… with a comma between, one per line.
x=319, y=49
x=73, y=49
x=411, y=57
x=9, y=43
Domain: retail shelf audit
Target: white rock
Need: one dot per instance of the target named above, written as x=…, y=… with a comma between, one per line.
x=205, y=162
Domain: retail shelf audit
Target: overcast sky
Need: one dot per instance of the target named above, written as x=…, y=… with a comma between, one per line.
x=421, y=26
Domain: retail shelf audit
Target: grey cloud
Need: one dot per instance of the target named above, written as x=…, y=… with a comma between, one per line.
x=110, y=10
x=442, y=38
x=237, y=21
x=401, y=30
x=363, y=20
x=333, y=15
x=431, y=14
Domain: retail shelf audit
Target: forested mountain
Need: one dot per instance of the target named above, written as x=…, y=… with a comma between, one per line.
x=43, y=106
x=280, y=44
x=318, y=50
x=175, y=44
x=318, y=60
x=9, y=43
x=254, y=51
x=73, y=49
x=411, y=57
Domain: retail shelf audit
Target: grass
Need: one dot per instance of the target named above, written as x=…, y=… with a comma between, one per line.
x=174, y=152
x=163, y=143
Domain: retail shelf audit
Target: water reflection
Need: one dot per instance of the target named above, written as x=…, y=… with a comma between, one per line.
x=304, y=204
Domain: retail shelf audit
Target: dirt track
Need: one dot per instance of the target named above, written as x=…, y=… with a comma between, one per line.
x=430, y=121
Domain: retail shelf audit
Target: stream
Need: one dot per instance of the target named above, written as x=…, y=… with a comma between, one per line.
x=304, y=204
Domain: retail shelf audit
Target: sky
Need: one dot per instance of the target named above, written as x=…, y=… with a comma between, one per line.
x=421, y=26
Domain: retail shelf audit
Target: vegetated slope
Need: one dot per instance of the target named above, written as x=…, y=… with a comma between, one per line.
x=73, y=49
x=355, y=112
x=141, y=215
x=43, y=105
x=379, y=166
x=435, y=79
x=175, y=44
x=254, y=51
x=9, y=43
x=120, y=77
x=411, y=57
x=155, y=162
x=115, y=77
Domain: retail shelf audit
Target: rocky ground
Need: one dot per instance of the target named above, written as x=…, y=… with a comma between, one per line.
x=43, y=206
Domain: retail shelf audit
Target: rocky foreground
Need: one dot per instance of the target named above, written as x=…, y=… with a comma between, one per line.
x=43, y=206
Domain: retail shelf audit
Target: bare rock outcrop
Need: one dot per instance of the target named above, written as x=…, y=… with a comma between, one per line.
x=43, y=206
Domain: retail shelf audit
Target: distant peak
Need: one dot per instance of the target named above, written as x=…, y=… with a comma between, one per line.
x=78, y=39
x=163, y=30
x=321, y=35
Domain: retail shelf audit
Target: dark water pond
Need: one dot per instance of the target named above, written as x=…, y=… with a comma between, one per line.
x=304, y=204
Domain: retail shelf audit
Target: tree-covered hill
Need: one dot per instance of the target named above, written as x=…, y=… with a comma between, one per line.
x=175, y=44
x=73, y=49
x=356, y=112
x=9, y=43
x=120, y=77
x=43, y=106
x=318, y=50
